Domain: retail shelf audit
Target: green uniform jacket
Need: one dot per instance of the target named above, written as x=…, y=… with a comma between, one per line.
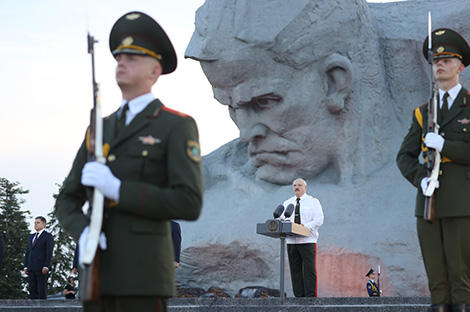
x=452, y=198
x=157, y=159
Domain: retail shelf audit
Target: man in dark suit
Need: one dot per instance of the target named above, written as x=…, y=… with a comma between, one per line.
x=152, y=175
x=37, y=260
x=444, y=243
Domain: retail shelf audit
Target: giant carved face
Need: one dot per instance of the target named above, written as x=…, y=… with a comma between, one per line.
x=280, y=112
x=285, y=73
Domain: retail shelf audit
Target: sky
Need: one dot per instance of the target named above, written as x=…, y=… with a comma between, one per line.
x=45, y=83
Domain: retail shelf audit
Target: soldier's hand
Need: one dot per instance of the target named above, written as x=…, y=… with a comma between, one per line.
x=82, y=241
x=424, y=184
x=99, y=175
x=434, y=140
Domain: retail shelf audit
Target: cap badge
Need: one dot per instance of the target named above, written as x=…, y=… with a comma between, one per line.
x=440, y=32
x=440, y=49
x=149, y=140
x=127, y=41
x=132, y=16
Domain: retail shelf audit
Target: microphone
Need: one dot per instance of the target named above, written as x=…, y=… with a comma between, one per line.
x=278, y=212
x=289, y=210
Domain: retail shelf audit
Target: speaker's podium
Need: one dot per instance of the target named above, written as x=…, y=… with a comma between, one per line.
x=281, y=229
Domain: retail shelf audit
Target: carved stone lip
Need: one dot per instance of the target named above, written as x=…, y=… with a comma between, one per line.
x=272, y=157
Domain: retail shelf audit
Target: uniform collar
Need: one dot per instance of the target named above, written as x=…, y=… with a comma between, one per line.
x=452, y=92
x=138, y=104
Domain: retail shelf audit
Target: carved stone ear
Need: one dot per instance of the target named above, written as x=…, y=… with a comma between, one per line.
x=339, y=76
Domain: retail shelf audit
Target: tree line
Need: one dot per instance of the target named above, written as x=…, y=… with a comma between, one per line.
x=15, y=231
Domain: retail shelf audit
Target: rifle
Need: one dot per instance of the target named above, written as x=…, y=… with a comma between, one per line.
x=378, y=282
x=91, y=282
x=434, y=157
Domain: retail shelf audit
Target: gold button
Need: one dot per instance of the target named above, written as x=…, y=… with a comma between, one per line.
x=145, y=153
x=440, y=172
x=111, y=157
x=464, y=129
x=443, y=134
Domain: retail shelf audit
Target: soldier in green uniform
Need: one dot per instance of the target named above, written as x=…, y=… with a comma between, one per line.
x=444, y=243
x=152, y=175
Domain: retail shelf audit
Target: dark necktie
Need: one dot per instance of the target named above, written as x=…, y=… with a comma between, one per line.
x=35, y=238
x=445, y=105
x=297, y=212
x=121, y=124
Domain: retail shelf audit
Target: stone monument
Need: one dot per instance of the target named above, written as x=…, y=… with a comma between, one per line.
x=322, y=90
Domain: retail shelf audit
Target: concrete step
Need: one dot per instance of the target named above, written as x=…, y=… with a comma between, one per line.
x=384, y=304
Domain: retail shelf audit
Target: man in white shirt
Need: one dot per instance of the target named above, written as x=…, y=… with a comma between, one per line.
x=302, y=250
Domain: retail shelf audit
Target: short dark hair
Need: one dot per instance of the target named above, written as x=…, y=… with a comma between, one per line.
x=41, y=218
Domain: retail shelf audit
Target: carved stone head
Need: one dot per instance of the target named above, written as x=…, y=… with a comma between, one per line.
x=294, y=74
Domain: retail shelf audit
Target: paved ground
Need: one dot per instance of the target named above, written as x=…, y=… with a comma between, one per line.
x=385, y=304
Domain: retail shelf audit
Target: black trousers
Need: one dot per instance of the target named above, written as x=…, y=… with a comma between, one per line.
x=303, y=269
x=127, y=304
x=445, y=246
x=37, y=285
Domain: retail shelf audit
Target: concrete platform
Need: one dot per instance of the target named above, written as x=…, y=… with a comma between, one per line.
x=385, y=304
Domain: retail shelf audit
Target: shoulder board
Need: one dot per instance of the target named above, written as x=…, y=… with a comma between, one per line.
x=425, y=104
x=175, y=112
x=419, y=115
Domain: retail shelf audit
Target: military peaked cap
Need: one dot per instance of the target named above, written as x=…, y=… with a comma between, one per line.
x=138, y=33
x=370, y=272
x=447, y=43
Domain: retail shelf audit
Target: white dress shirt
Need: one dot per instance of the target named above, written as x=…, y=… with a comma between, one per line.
x=452, y=96
x=311, y=216
x=136, y=106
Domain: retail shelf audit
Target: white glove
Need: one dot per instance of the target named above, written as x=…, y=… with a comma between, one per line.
x=82, y=243
x=99, y=175
x=424, y=184
x=434, y=140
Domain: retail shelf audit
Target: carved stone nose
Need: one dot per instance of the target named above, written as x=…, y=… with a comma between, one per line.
x=250, y=133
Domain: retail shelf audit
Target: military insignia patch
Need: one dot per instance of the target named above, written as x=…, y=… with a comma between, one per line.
x=440, y=49
x=193, y=150
x=149, y=140
x=440, y=32
x=464, y=121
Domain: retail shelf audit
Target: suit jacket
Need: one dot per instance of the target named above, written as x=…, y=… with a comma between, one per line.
x=452, y=196
x=40, y=255
x=157, y=159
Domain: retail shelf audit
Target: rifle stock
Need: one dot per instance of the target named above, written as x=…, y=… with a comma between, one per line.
x=91, y=282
